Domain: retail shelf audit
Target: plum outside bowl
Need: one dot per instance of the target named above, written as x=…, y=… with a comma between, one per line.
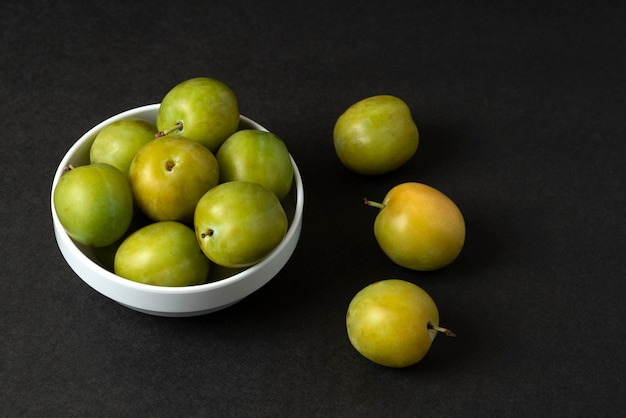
x=173, y=301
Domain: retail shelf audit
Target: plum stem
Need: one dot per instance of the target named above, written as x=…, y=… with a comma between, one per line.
x=443, y=330
x=208, y=233
x=177, y=127
x=373, y=204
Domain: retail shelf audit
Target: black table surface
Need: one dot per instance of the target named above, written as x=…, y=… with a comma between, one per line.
x=520, y=108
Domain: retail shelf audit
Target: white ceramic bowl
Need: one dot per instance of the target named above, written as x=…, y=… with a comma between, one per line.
x=173, y=301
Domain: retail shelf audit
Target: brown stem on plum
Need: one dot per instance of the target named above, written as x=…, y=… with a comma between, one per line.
x=443, y=330
x=177, y=127
x=208, y=233
x=373, y=204
x=68, y=167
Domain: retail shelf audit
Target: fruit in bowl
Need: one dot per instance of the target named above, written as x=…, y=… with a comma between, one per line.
x=233, y=284
x=94, y=203
x=202, y=109
x=117, y=143
x=162, y=253
x=169, y=175
x=257, y=156
x=238, y=223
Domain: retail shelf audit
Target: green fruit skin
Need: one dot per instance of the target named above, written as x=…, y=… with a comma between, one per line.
x=238, y=223
x=106, y=255
x=388, y=322
x=376, y=135
x=207, y=108
x=169, y=175
x=94, y=203
x=257, y=156
x=162, y=254
x=419, y=228
x=117, y=143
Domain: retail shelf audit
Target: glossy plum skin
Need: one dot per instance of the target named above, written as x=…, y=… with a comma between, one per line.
x=390, y=322
x=162, y=254
x=419, y=227
x=257, y=156
x=169, y=175
x=117, y=143
x=94, y=203
x=375, y=135
x=207, y=108
x=238, y=223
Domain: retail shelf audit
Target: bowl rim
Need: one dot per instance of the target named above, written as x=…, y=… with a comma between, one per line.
x=71, y=245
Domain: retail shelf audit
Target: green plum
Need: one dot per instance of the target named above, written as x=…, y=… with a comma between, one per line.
x=257, y=156
x=419, y=227
x=376, y=135
x=94, y=203
x=238, y=223
x=106, y=255
x=201, y=109
x=117, y=143
x=169, y=175
x=163, y=253
x=393, y=322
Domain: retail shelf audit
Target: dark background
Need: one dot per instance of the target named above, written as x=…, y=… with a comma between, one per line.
x=521, y=115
